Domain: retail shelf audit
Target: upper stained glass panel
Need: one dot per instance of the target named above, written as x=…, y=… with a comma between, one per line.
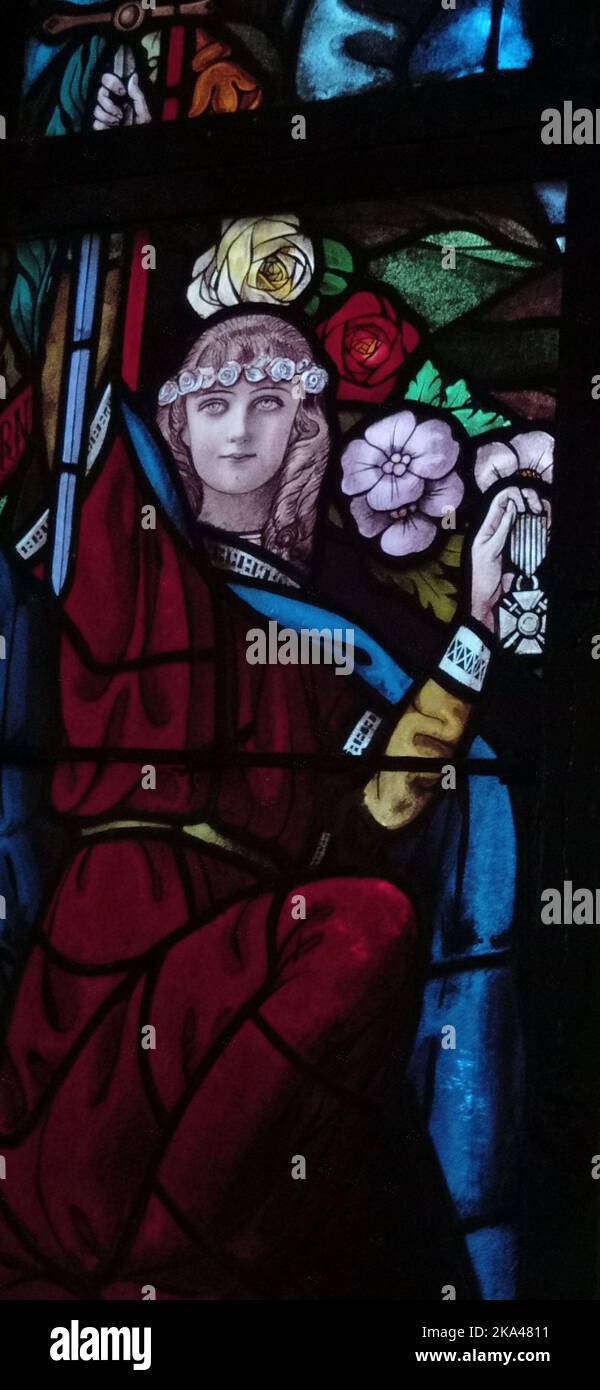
x=105, y=64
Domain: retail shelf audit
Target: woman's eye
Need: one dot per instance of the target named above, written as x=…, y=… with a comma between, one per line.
x=268, y=403
x=213, y=407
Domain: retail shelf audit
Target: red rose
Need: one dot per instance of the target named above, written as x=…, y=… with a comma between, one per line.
x=368, y=346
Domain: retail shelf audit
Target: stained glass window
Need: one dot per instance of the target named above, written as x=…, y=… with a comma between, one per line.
x=299, y=525
x=109, y=64
x=384, y=373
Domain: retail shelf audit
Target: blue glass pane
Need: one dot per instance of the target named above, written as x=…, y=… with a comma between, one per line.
x=459, y=43
x=515, y=47
x=553, y=197
x=456, y=44
x=329, y=64
x=494, y=1253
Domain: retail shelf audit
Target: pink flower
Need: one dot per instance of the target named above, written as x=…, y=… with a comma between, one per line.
x=531, y=454
x=402, y=480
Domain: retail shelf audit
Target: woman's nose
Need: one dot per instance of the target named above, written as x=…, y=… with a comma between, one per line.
x=238, y=423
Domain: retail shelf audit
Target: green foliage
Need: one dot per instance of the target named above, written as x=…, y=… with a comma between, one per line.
x=81, y=72
x=349, y=417
x=32, y=286
x=337, y=256
x=429, y=388
x=426, y=386
x=339, y=266
x=431, y=584
x=332, y=284
x=452, y=552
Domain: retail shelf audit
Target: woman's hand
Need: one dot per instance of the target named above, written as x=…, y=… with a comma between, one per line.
x=114, y=98
x=487, y=582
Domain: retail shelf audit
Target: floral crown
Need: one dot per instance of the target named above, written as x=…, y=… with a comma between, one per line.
x=313, y=379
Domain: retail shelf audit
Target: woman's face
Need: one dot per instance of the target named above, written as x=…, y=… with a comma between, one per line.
x=238, y=435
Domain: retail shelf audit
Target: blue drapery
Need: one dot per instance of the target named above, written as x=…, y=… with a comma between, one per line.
x=29, y=840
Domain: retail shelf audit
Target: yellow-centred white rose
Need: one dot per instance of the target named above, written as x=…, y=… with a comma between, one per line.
x=258, y=260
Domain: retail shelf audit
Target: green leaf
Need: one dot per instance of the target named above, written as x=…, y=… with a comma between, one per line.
x=76, y=88
x=457, y=394
x=332, y=284
x=336, y=256
x=452, y=552
x=429, y=585
x=348, y=418
x=476, y=421
x=426, y=386
x=312, y=304
x=459, y=400
x=33, y=284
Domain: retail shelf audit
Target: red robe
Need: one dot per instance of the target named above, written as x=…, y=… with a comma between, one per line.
x=172, y=1165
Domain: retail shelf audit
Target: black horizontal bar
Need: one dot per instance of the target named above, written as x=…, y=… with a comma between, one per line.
x=502, y=1216
x=457, y=965
x=378, y=144
x=502, y=768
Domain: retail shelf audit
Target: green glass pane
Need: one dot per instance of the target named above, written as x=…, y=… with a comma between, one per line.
x=443, y=295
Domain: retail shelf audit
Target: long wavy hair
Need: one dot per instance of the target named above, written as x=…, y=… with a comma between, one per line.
x=290, y=526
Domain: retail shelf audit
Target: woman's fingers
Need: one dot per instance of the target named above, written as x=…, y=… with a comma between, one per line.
x=533, y=500
x=108, y=111
x=507, y=505
x=511, y=494
x=502, y=513
x=101, y=121
x=136, y=95
x=503, y=526
x=113, y=84
x=108, y=104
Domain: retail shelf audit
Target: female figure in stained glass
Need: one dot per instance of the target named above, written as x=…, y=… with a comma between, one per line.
x=209, y=996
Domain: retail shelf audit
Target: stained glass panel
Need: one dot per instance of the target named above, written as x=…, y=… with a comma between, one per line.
x=103, y=65
x=276, y=505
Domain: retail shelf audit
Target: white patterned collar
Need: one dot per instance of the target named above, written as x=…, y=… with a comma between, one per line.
x=228, y=554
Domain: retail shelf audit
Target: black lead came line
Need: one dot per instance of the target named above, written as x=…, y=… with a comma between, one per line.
x=223, y=758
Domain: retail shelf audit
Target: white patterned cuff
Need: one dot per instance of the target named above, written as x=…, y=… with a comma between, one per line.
x=466, y=660
x=362, y=733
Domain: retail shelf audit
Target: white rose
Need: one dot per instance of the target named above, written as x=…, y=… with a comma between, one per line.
x=259, y=260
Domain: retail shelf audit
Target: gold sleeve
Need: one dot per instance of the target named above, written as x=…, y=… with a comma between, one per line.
x=431, y=727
